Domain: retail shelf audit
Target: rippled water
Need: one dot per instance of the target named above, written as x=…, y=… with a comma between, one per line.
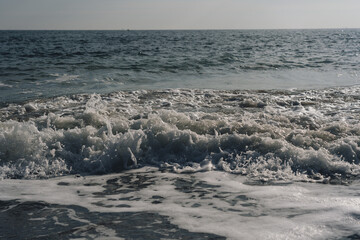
x=51, y=63
x=180, y=134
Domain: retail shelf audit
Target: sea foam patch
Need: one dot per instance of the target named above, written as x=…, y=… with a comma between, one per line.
x=211, y=205
x=266, y=135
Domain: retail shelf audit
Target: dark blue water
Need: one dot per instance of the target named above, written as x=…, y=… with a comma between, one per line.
x=36, y=64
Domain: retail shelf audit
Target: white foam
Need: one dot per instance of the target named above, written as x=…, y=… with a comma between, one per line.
x=276, y=135
x=63, y=77
x=212, y=202
x=4, y=85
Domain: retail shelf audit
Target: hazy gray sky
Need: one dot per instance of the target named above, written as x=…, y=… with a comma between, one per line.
x=178, y=14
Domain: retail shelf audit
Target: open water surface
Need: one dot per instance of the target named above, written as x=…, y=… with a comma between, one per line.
x=180, y=134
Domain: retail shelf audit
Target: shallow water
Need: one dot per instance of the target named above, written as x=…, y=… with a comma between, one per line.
x=179, y=134
x=147, y=203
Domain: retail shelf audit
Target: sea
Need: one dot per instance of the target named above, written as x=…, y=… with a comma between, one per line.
x=191, y=134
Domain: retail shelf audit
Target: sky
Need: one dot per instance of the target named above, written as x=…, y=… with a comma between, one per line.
x=178, y=14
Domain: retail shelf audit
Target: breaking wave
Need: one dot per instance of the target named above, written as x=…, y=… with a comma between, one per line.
x=266, y=135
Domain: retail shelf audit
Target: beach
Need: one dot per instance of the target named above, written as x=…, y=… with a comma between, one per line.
x=231, y=134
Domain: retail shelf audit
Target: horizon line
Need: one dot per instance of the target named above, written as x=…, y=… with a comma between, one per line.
x=184, y=29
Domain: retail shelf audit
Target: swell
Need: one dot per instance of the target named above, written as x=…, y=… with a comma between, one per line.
x=266, y=135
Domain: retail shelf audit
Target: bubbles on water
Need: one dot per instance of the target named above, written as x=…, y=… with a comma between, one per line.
x=265, y=135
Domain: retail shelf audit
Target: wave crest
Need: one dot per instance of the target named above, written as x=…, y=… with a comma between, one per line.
x=277, y=137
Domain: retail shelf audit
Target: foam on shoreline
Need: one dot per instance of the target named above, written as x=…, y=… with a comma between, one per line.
x=266, y=135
